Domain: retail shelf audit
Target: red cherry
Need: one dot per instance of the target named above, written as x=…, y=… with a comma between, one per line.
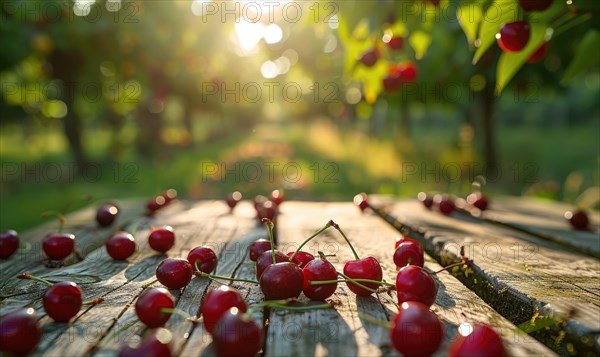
x=120, y=246
x=535, y=5
x=513, y=36
x=265, y=259
x=277, y=197
x=62, y=301
x=391, y=82
x=233, y=199
x=156, y=344
x=302, y=258
x=365, y=268
x=361, y=201
x=395, y=43
x=162, y=239
x=174, y=273
x=402, y=239
x=266, y=210
x=538, y=54
x=416, y=331
x=478, y=199
x=257, y=247
x=578, y=219
x=217, y=302
x=476, y=340
x=150, y=303
x=19, y=332
x=169, y=195
x=408, y=252
x=408, y=71
x=370, y=57
x=9, y=243
x=259, y=200
x=58, y=246
x=204, y=258
x=414, y=283
x=426, y=199
x=106, y=214
x=445, y=204
x=319, y=270
x=237, y=334
x=281, y=281
x=156, y=203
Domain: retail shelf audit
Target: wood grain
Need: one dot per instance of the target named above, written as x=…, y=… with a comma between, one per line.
x=342, y=331
x=522, y=277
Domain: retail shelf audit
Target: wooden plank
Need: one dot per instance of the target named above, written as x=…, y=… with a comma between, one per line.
x=546, y=219
x=342, y=331
x=233, y=262
x=120, y=286
x=88, y=237
x=520, y=276
x=204, y=223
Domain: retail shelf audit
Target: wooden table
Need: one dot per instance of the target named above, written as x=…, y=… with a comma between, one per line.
x=514, y=278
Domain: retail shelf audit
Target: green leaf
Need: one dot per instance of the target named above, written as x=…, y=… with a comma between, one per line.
x=498, y=13
x=469, y=16
x=510, y=63
x=420, y=41
x=586, y=55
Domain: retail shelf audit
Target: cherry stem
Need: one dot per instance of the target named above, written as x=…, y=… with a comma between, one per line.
x=575, y=22
x=95, y=301
x=172, y=311
x=149, y=283
x=448, y=267
x=374, y=321
x=337, y=227
x=60, y=216
x=310, y=238
x=217, y=277
x=283, y=305
x=269, y=226
x=353, y=281
x=35, y=278
x=325, y=282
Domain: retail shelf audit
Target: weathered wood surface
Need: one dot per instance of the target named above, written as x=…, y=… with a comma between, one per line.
x=342, y=332
x=546, y=221
x=518, y=274
x=101, y=330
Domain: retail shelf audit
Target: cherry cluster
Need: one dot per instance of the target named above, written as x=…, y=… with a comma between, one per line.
x=266, y=207
x=514, y=36
x=20, y=332
x=390, y=45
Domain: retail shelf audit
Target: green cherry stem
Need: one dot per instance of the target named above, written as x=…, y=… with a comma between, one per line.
x=172, y=311
x=217, y=277
x=269, y=224
x=337, y=227
x=283, y=305
x=374, y=321
x=35, y=278
x=325, y=282
x=144, y=286
x=310, y=238
x=60, y=216
x=353, y=281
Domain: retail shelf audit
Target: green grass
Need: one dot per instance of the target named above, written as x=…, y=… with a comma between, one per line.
x=334, y=165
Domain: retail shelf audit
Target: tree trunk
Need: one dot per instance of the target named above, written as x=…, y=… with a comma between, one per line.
x=66, y=66
x=489, y=142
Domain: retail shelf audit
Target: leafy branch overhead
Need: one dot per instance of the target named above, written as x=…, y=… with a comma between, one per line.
x=417, y=34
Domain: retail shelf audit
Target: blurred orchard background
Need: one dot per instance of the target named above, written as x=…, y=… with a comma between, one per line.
x=324, y=99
